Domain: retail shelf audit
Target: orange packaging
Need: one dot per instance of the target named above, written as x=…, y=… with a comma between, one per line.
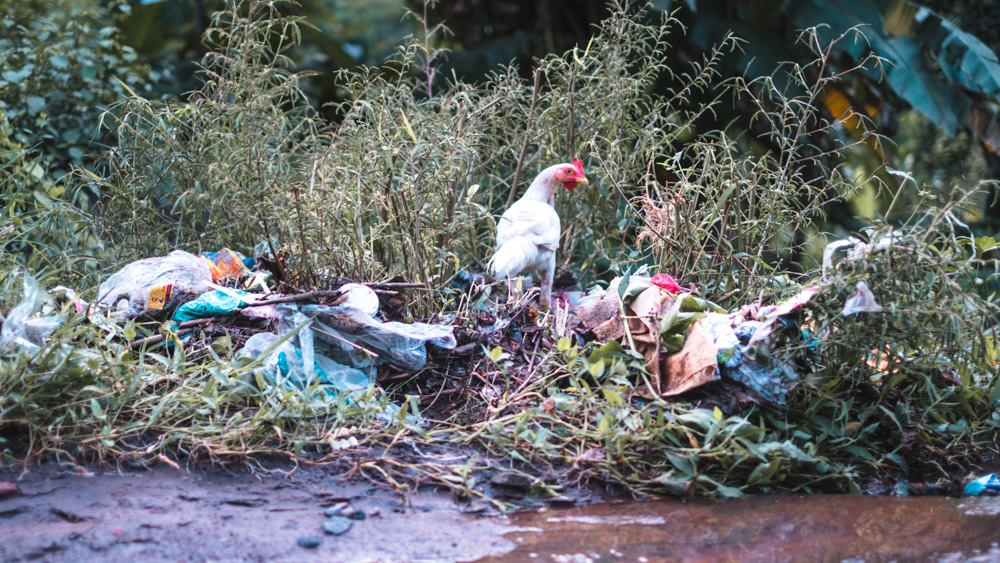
x=225, y=265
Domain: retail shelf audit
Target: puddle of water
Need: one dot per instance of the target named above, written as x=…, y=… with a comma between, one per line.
x=774, y=528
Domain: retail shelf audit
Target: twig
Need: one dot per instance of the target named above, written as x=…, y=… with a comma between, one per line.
x=401, y=285
x=185, y=327
x=524, y=145
x=299, y=297
x=345, y=341
x=572, y=108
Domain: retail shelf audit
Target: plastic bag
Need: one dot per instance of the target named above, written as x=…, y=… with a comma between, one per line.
x=749, y=363
x=24, y=328
x=401, y=344
x=752, y=364
x=861, y=301
x=155, y=284
x=226, y=265
x=985, y=484
x=211, y=304
x=287, y=364
x=666, y=282
x=360, y=297
x=720, y=328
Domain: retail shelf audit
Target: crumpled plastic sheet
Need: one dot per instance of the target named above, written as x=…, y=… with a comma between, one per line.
x=853, y=249
x=128, y=289
x=211, y=304
x=766, y=376
x=861, y=301
x=720, y=328
x=225, y=301
x=787, y=306
x=401, y=344
x=312, y=356
x=27, y=327
x=985, y=484
x=286, y=364
x=226, y=265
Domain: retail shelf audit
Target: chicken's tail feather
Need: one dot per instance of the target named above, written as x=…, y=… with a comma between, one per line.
x=512, y=258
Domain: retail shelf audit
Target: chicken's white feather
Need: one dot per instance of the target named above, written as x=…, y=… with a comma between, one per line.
x=513, y=257
x=528, y=233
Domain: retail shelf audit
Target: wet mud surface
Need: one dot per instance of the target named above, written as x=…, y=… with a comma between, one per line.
x=167, y=514
x=775, y=528
x=57, y=513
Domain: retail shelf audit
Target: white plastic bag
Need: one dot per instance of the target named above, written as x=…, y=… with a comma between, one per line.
x=25, y=328
x=128, y=290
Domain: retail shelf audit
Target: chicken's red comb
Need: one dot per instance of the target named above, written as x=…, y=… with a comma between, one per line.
x=578, y=164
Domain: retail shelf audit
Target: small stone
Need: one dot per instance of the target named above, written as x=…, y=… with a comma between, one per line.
x=337, y=525
x=8, y=489
x=512, y=481
x=337, y=509
x=309, y=542
x=355, y=514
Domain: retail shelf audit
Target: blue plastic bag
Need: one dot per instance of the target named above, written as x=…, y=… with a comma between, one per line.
x=987, y=483
x=212, y=304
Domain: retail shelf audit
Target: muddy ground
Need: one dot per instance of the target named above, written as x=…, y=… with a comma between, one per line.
x=63, y=513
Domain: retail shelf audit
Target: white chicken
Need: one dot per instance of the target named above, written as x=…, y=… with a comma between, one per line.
x=528, y=232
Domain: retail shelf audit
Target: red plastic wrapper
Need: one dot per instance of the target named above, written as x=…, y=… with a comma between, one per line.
x=666, y=282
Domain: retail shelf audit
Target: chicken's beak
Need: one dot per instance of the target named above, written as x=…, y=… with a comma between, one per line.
x=581, y=180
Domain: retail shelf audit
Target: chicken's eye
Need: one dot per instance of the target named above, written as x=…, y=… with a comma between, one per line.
x=568, y=171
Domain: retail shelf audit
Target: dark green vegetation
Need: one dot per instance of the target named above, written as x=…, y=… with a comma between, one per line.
x=404, y=185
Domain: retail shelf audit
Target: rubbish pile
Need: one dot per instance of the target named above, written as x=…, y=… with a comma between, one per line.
x=689, y=342
x=335, y=339
x=332, y=340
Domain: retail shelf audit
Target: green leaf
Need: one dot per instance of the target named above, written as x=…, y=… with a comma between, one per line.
x=787, y=449
x=16, y=76
x=497, y=354
x=683, y=463
x=985, y=243
x=858, y=451
x=59, y=61
x=908, y=73
x=541, y=437
x=729, y=492
x=701, y=417
x=35, y=104
x=95, y=408
x=613, y=397
x=763, y=473
x=964, y=59
x=898, y=460
x=675, y=487
x=623, y=284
